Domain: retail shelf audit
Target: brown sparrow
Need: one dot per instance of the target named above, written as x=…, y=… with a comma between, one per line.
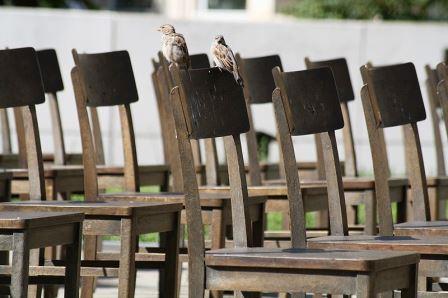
x=223, y=57
x=174, y=47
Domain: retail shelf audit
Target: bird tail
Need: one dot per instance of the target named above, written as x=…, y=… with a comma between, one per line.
x=238, y=79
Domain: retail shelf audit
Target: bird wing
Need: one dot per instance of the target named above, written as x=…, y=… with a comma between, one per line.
x=179, y=42
x=225, y=56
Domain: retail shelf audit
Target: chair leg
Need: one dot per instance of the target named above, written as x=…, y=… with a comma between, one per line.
x=258, y=229
x=72, y=266
x=20, y=259
x=370, y=203
x=127, y=273
x=411, y=292
x=36, y=258
x=90, y=249
x=218, y=239
x=403, y=207
x=172, y=261
x=365, y=286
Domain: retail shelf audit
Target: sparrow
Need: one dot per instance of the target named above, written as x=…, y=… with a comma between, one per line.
x=223, y=57
x=174, y=47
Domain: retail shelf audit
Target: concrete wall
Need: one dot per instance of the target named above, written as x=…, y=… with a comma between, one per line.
x=379, y=42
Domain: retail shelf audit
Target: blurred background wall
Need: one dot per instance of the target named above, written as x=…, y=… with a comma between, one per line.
x=251, y=27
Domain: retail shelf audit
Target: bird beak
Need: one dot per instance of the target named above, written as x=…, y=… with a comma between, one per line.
x=159, y=29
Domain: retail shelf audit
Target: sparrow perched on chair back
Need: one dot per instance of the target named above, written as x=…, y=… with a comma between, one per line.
x=174, y=47
x=223, y=57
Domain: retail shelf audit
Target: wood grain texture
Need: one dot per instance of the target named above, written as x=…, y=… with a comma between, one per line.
x=320, y=110
x=192, y=204
x=341, y=75
x=213, y=107
x=257, y=77
x=380, y=165
x=432, y=80
x=295, y=198
x=396, y=95
x=20, y=80
x=88, y=150
x=101, y=71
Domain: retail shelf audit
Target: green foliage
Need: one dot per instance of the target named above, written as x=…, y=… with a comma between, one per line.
x=368, y=9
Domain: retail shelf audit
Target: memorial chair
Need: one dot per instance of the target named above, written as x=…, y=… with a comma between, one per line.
x=208, y=103
x=391, y=97
x=125, y=219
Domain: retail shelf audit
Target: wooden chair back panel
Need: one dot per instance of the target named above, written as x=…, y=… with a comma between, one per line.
x=396, y=95
x=257, y=75
x=21, y=87
x=341, y=76
x=308, y=102
x=20, y=79
x=199, y=61
x=311, y=100
x=110, y=78
x=215, y=108
x=107, y=79
x=50, y=71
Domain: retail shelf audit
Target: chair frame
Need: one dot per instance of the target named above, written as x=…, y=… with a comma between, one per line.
x=227, y=272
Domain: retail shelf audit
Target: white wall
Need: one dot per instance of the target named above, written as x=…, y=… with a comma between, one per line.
x=358, y=41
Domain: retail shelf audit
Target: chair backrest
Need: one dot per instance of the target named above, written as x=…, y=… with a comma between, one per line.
x=208, y=103
x=99, y=80
x=432, y=80
x=258, y=87
x=341, y=75
x=391, y=96
x=51, y=73
x=164, y=84
x=21, y=87
x=52, y=80
x=306, y=102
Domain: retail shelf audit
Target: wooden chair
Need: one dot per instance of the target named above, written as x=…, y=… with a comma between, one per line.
x=60, y=179
x=125, y=219
x=358, y=190
x=391, y=97
x=21, y=232
x=216, y=206
x=110, y=176
x=209, y=104
x=315, y=194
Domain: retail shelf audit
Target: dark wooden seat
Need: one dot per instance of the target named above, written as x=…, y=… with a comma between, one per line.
x=125, y=219
x=391, y=97
x=222, y=113
x=422, y=245
x=304, y=258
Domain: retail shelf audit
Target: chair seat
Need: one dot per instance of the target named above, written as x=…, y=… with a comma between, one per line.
x=437, y=181
x=316, y=187
x=51, y=171
x=422, y=245
x=209, y=199
x=118, y=170
x=25, y=220
x=96, y=208
x=349, y=183
x=422, y=228
x=277, y=258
